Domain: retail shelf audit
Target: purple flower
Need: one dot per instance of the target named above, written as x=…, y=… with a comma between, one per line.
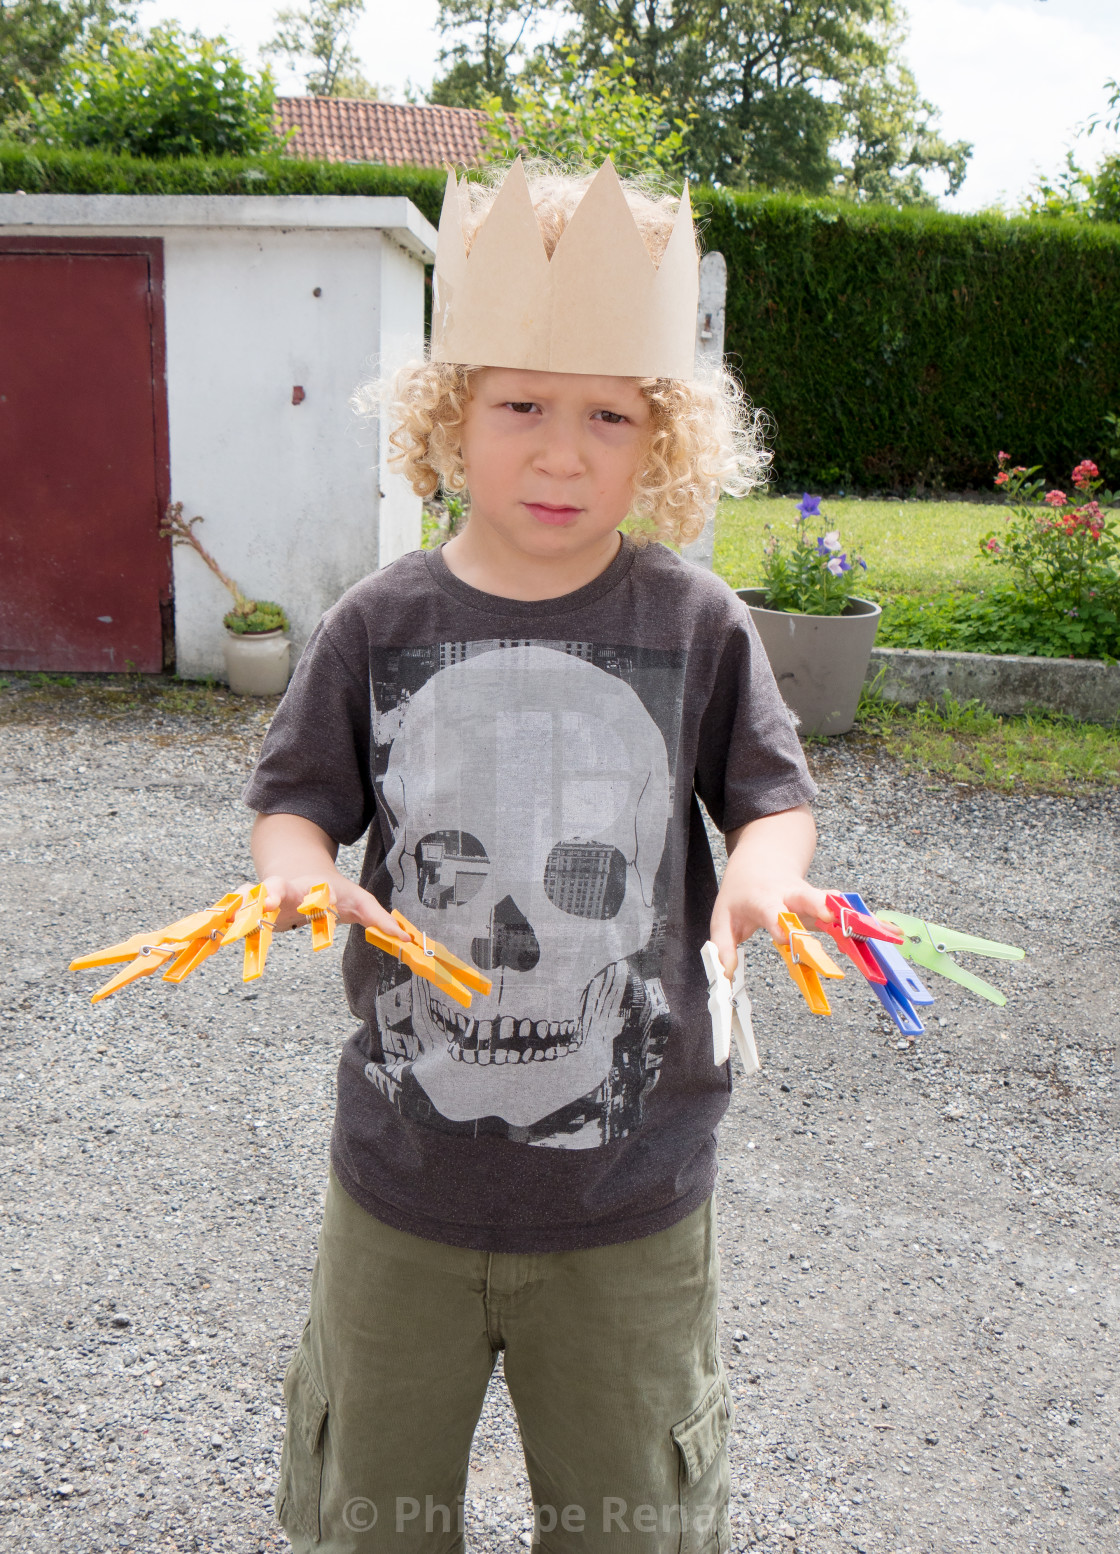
x=862, y=562
x=809, y=506
x=839, y=564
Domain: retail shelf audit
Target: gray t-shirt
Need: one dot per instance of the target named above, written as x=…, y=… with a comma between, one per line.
x=528, y=775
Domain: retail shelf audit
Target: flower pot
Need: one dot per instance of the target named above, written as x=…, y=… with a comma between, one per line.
x=819, y=661
x=257, y=662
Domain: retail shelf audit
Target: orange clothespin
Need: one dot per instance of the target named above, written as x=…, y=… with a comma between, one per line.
x=428, y=958
x=149, y=958
x=255, y=925
x=806, y=962
x=317, y=905
x=203, y=945
x=186, y=944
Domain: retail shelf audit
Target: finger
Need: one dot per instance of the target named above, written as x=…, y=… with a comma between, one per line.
x=275, y=889
x=724, y=938
x=808, y=902
x=361, y=907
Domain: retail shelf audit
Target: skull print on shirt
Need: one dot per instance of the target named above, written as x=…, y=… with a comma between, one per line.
x=528, y=789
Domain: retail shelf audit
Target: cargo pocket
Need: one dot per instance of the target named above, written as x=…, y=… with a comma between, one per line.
x=704, y=1477
x=301, y=1461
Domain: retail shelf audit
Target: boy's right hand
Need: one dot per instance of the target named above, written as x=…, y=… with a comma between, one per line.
x=350, y=901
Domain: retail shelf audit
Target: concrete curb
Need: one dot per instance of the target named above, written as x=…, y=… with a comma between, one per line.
x=1005, y=683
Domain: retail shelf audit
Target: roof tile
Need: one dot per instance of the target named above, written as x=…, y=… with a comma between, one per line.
x=353, y=129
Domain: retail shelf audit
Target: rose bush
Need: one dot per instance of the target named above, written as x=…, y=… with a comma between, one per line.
x=1064, y=552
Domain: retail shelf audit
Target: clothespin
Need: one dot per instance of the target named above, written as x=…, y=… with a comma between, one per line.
x=930, y=945
x=428, y=958
x=186, y=944
x=806, y=962
x=317, y=905
x=730, y=1008
x=255, y=925
x=901, y=989
x=850, y=929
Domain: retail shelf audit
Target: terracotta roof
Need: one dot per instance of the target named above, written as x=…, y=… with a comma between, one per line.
x=352, y=129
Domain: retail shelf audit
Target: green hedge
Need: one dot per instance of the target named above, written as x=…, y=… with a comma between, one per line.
x=39, y=170
x=893, y=349
x=902, y=348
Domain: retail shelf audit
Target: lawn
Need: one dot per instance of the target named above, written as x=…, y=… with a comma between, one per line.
x=916, y=548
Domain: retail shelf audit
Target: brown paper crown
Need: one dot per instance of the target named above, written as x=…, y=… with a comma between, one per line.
x=600, y=305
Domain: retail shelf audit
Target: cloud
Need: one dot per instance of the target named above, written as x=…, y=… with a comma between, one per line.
x=1017, y=78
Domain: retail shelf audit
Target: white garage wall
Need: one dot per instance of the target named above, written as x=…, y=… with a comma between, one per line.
x=297, y=501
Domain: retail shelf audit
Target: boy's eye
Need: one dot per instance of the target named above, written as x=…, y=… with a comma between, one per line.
x=521, y=406
x=611, y=417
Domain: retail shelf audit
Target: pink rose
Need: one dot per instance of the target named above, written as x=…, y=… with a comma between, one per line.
x=1004, y=458
x=1055, y=499
x=1002, y=478
x=1085, y=472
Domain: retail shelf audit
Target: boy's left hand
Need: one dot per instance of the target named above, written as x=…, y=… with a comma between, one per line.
x=765, y=875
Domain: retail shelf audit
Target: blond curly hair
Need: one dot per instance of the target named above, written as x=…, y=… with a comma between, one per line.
x=703, y=436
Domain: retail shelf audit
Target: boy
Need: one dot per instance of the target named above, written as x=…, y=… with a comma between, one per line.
x=523, y=719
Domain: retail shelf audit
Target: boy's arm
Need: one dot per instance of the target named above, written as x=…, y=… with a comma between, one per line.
x=767, y=861
x=293, y=854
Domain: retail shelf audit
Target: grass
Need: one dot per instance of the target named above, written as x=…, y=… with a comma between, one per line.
x=964, y=742
x=29, y=698
x=920, y=549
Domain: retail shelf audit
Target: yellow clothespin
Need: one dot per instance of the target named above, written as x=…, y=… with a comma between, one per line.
x=203, y=945
x=806, y=962
x=428, y=958
x=317, y=905
x=255, y=925
x=186, y=943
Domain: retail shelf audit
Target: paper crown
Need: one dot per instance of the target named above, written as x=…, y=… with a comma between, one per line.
x=599, y=305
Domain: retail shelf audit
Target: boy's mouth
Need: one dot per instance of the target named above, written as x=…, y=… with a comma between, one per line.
x=545, y=512
x=503, y=1040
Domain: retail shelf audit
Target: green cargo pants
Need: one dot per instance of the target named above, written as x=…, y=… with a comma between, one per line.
x=612, y=1363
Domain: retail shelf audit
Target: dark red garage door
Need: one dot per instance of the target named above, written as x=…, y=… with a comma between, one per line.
x=84, y=576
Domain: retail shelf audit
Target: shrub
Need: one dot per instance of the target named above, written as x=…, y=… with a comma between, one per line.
x=168, y=93
x=898, y=349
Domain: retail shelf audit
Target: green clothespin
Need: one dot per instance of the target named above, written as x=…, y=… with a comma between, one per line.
x=928, y=945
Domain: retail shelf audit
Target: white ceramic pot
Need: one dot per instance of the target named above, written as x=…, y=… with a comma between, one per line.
x=257, y=663
x=819, y=661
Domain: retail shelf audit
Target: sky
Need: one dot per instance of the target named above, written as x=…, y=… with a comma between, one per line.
x=1014, y=77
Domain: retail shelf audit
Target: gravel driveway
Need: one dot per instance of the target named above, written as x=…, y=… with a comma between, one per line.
x=920, y=1241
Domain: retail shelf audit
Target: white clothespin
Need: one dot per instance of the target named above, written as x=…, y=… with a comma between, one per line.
x=730, y=1008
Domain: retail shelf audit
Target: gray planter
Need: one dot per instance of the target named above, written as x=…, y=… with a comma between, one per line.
x=819, y=661
x=257, y=662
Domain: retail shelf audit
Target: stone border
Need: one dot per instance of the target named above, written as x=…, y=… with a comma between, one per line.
x=1005, y=683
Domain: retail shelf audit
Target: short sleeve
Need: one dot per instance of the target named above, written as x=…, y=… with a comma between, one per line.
x=315, y=760
x=749, y=759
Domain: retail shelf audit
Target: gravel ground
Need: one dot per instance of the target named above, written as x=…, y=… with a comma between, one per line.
x=920, y=1240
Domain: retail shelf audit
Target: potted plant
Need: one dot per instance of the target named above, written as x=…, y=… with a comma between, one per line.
x=257, y=648
x=817, y=632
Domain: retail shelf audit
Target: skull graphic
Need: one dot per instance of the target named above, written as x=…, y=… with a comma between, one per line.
x=531, y=795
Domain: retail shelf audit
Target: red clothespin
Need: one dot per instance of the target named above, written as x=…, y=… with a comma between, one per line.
x=850, y=931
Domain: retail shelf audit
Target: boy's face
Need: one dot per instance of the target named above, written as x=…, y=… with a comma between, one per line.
x=551, y=457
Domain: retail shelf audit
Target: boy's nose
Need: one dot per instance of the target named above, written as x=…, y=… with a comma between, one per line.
x=561, y=458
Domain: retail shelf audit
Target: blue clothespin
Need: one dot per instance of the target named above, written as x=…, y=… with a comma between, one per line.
x=902, y=989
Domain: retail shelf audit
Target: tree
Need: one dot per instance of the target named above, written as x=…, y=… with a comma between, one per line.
x=1077, y=190
x=892, y=140
x=319, y=35
x=491, y=35
x=574, y=115
x=164, y=93
x=37, y=35
x=781, y=88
